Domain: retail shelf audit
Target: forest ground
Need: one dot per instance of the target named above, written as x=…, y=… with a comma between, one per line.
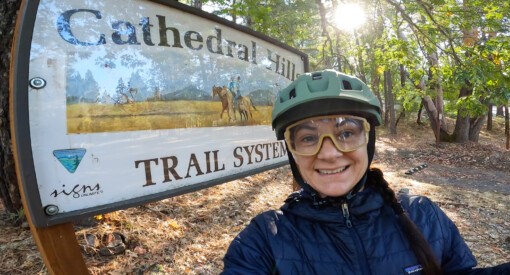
x=189, y=234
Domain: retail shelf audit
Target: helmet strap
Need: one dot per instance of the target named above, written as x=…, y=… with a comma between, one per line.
x=294, y=169
x=371, y=145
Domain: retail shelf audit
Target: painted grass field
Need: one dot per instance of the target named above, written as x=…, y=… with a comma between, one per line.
x=155, y=115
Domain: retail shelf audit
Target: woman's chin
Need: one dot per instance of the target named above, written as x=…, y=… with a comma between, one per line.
x=333, y=189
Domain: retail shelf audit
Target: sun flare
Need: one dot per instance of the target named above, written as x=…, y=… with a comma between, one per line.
x=349, y=17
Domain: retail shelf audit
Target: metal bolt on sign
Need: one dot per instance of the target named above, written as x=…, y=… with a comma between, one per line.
x=51, y=210
x=37, y=83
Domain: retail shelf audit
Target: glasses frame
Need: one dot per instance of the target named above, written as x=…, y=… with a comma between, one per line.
x=366, y=128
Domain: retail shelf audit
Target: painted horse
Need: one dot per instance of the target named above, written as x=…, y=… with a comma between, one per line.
x=244, y=105
x=226, y=99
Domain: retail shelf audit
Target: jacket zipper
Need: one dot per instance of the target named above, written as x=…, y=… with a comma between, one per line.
x=345, y=211
x=354, y=234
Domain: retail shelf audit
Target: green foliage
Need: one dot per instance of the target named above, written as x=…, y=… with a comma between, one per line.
x=470, y=106
x=291, y=22
x=408, y=96
x=470, y=39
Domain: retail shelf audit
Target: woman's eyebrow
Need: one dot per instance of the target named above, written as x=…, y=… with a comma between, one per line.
x=343, y=122
x=306, y=126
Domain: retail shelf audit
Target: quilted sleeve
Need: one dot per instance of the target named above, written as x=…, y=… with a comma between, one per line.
x=456, y=254
x=451, y=251
x=250, y=252
x=502, y=269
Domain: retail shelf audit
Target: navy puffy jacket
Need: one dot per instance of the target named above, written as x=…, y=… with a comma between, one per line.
x=305, y=239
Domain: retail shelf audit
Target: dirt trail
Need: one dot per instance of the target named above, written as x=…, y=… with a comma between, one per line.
x=469, y=177
x=189, y=234
x=483, y=166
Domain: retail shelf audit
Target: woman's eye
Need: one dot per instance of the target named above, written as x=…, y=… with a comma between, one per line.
x=308, y=139
x=345, y=135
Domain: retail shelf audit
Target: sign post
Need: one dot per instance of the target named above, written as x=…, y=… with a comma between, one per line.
x=116, y=104
x=57, y=244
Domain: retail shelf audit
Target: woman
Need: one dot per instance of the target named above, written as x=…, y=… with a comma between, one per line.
x=345, y=219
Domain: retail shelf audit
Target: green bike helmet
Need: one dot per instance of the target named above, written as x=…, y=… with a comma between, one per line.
x=325, y=92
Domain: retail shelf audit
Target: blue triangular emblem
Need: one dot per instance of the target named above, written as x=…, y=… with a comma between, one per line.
x=70, y=158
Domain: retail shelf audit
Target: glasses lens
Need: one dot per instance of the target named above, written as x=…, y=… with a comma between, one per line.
x=347, y=133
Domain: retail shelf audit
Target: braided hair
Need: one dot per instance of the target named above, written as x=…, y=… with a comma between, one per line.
x=419, y=244
x=331, y=93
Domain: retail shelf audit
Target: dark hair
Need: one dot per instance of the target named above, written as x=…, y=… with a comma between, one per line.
x=419, y=244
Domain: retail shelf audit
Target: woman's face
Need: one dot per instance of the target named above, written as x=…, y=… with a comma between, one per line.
x=330, y=171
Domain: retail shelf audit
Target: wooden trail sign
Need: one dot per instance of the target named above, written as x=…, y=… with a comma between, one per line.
x=119, y=103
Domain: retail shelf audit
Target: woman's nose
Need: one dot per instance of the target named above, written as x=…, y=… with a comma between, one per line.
x=328, y=149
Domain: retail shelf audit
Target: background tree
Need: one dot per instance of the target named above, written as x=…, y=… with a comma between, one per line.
x=447, y=57
x=9, y=191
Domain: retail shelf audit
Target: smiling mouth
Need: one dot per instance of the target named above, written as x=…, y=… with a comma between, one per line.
x=329, y=172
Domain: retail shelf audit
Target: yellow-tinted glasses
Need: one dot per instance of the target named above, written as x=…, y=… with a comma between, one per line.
x=348, y=133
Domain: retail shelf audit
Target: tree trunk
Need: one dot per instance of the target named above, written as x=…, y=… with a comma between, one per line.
x=390, y=103
x=9, y=191
x=436, y=85
x=197, y=4
x=475, y=127
x=234, y=12
x=430, y=108
x=461, y=132
x=402, y=114
x=386, y=106
x=500, y=111
x=464, y=129
x=403, y=77
x=507, y=128
x=438, y=126
x=375, y=82
x=361, y=63
x=418, y=119
x=489, y=118
x=462, y=125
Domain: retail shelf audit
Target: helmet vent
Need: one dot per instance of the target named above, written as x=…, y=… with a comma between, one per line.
x=316, y=76
x=292, y=93
x=347, y=85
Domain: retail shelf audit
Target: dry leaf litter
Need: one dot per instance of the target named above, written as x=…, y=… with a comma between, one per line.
x=189, y=234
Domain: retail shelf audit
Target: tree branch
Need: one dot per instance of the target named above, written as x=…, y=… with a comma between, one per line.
x=409, y=20
x=450, y=40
